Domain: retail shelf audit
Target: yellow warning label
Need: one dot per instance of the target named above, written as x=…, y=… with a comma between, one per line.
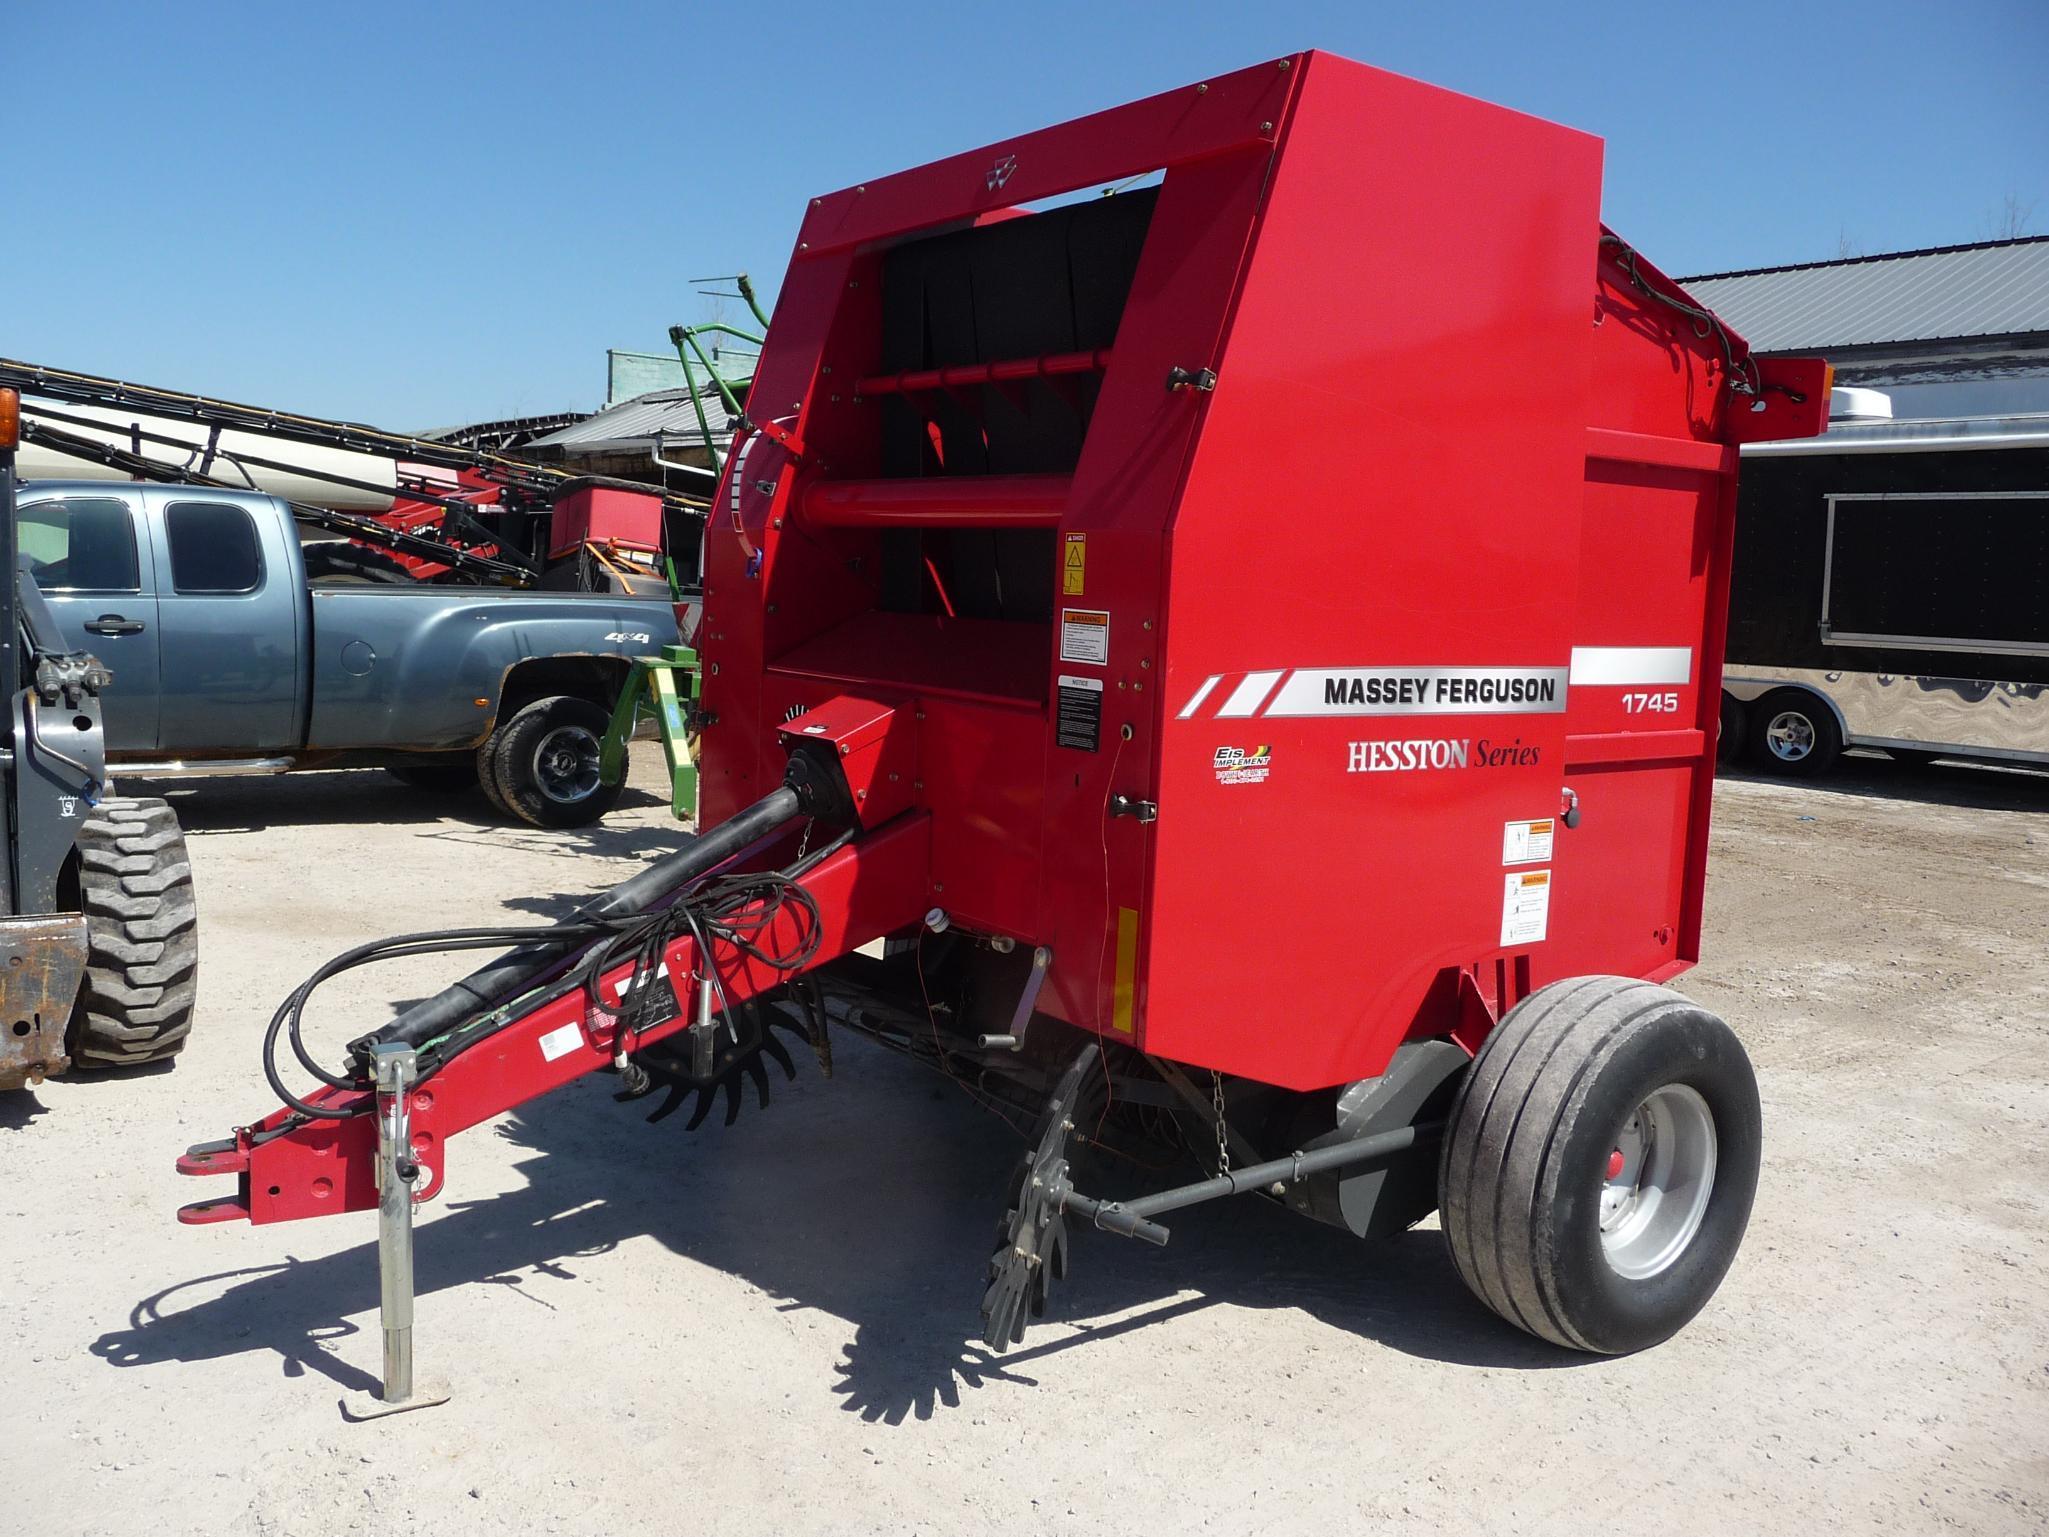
x=1074, y=564
x=1127, y=970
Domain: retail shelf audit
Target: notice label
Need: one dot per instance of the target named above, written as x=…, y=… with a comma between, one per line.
x=1526, y=843
x=1085, y=636
x=561, y=1041
x=1074, y=564
x=1079, y=718
x=1525, y=906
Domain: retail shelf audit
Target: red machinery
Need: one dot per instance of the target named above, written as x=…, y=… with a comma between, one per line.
x=1227, y=725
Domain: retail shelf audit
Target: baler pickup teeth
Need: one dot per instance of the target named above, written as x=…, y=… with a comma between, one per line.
x=668, y=1065
x=1031, y=1240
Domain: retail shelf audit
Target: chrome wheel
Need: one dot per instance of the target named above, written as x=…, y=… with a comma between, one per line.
x=1659, y=1175
x=566, y=764
x=1790, y=736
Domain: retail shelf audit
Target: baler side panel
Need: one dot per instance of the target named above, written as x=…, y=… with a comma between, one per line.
x=1131, y=469
x=1389, y=476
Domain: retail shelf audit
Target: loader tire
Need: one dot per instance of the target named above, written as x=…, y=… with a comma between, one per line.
x=547, y=763
x=1599, y=1164
x=142, y=961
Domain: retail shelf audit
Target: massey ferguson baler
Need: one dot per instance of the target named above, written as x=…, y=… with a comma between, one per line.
x=1230, y=663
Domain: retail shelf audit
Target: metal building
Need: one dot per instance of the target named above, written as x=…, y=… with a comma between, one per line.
x=1948, y=332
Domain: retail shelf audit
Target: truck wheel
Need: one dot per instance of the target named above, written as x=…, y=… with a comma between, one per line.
x=1599, y=1164
x=1735, y=734
x=547, y=763
x=438, y=778
x=1796, y=734
x=142, y=962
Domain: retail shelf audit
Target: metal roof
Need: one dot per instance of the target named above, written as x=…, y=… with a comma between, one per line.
x=1997, y=288
x=632, y=425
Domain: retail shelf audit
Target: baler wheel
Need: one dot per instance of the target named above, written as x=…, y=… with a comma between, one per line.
x=1600, y=1162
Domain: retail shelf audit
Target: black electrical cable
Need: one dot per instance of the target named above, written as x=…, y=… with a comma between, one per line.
x=1744, y=376
x=716, y=912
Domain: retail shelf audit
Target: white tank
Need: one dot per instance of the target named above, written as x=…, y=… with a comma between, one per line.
x=36, y=462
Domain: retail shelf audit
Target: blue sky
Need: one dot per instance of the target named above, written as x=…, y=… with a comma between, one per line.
x=422, y=214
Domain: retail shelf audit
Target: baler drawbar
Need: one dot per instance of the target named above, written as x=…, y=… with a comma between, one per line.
x=1285, y=753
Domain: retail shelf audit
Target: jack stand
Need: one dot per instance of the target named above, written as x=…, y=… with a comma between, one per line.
x=396, y=1068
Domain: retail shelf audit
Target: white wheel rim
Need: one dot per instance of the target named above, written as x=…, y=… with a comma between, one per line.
x=1790, y=736
x=1655, y=1187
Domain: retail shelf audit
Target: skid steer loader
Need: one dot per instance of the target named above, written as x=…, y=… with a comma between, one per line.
x=99, y=950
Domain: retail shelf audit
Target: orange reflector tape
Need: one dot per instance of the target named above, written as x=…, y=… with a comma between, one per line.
x=10, y=419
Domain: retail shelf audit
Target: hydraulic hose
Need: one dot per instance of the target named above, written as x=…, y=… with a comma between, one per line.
x=515, y=970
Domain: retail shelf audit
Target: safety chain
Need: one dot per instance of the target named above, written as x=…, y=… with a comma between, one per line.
x=1223, y=1137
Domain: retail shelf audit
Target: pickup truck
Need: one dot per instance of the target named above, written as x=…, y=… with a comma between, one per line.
x=226, y=659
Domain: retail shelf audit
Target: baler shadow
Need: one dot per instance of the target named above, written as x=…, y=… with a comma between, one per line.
x=892, y=1243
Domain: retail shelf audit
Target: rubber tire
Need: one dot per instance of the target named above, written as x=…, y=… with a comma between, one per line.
x=1734, y=735
x=1526, y=1150
x=1828, y=737
x=487, y=773
x=437, y=778
x=337, y=562
x=512, y=763
x=142, y=963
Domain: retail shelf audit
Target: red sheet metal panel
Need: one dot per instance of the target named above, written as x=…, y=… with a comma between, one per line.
x=1389, y=569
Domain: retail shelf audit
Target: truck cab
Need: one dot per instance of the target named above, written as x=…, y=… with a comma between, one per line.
x=192, y=602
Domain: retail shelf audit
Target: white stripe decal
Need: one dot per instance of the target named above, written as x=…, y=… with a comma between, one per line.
x=1201, y=694
x=1631, y=664
x=1249, y=695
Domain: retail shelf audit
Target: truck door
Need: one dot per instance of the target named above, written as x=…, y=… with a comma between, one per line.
x=230, y=642
x=89, y=552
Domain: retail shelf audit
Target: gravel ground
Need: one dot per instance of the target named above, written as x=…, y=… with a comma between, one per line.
x=766, y=1327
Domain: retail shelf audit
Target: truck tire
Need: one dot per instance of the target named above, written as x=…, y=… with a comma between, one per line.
x=1599, y=1164
x=1794, y=734
x=142, y=962
x=487, y=773
x=547, y=763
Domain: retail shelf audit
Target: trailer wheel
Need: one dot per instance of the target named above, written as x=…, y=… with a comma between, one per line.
x=1735, y=733
x=547, y=763
x=142, y=960
x=1796, y=734
x=1600, y=1162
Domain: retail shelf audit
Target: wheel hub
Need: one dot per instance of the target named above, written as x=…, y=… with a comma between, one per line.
x=1790, y=736
x=1658, y=1177
x=566, y=764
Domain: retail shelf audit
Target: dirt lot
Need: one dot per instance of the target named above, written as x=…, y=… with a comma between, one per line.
x=765, y=1328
